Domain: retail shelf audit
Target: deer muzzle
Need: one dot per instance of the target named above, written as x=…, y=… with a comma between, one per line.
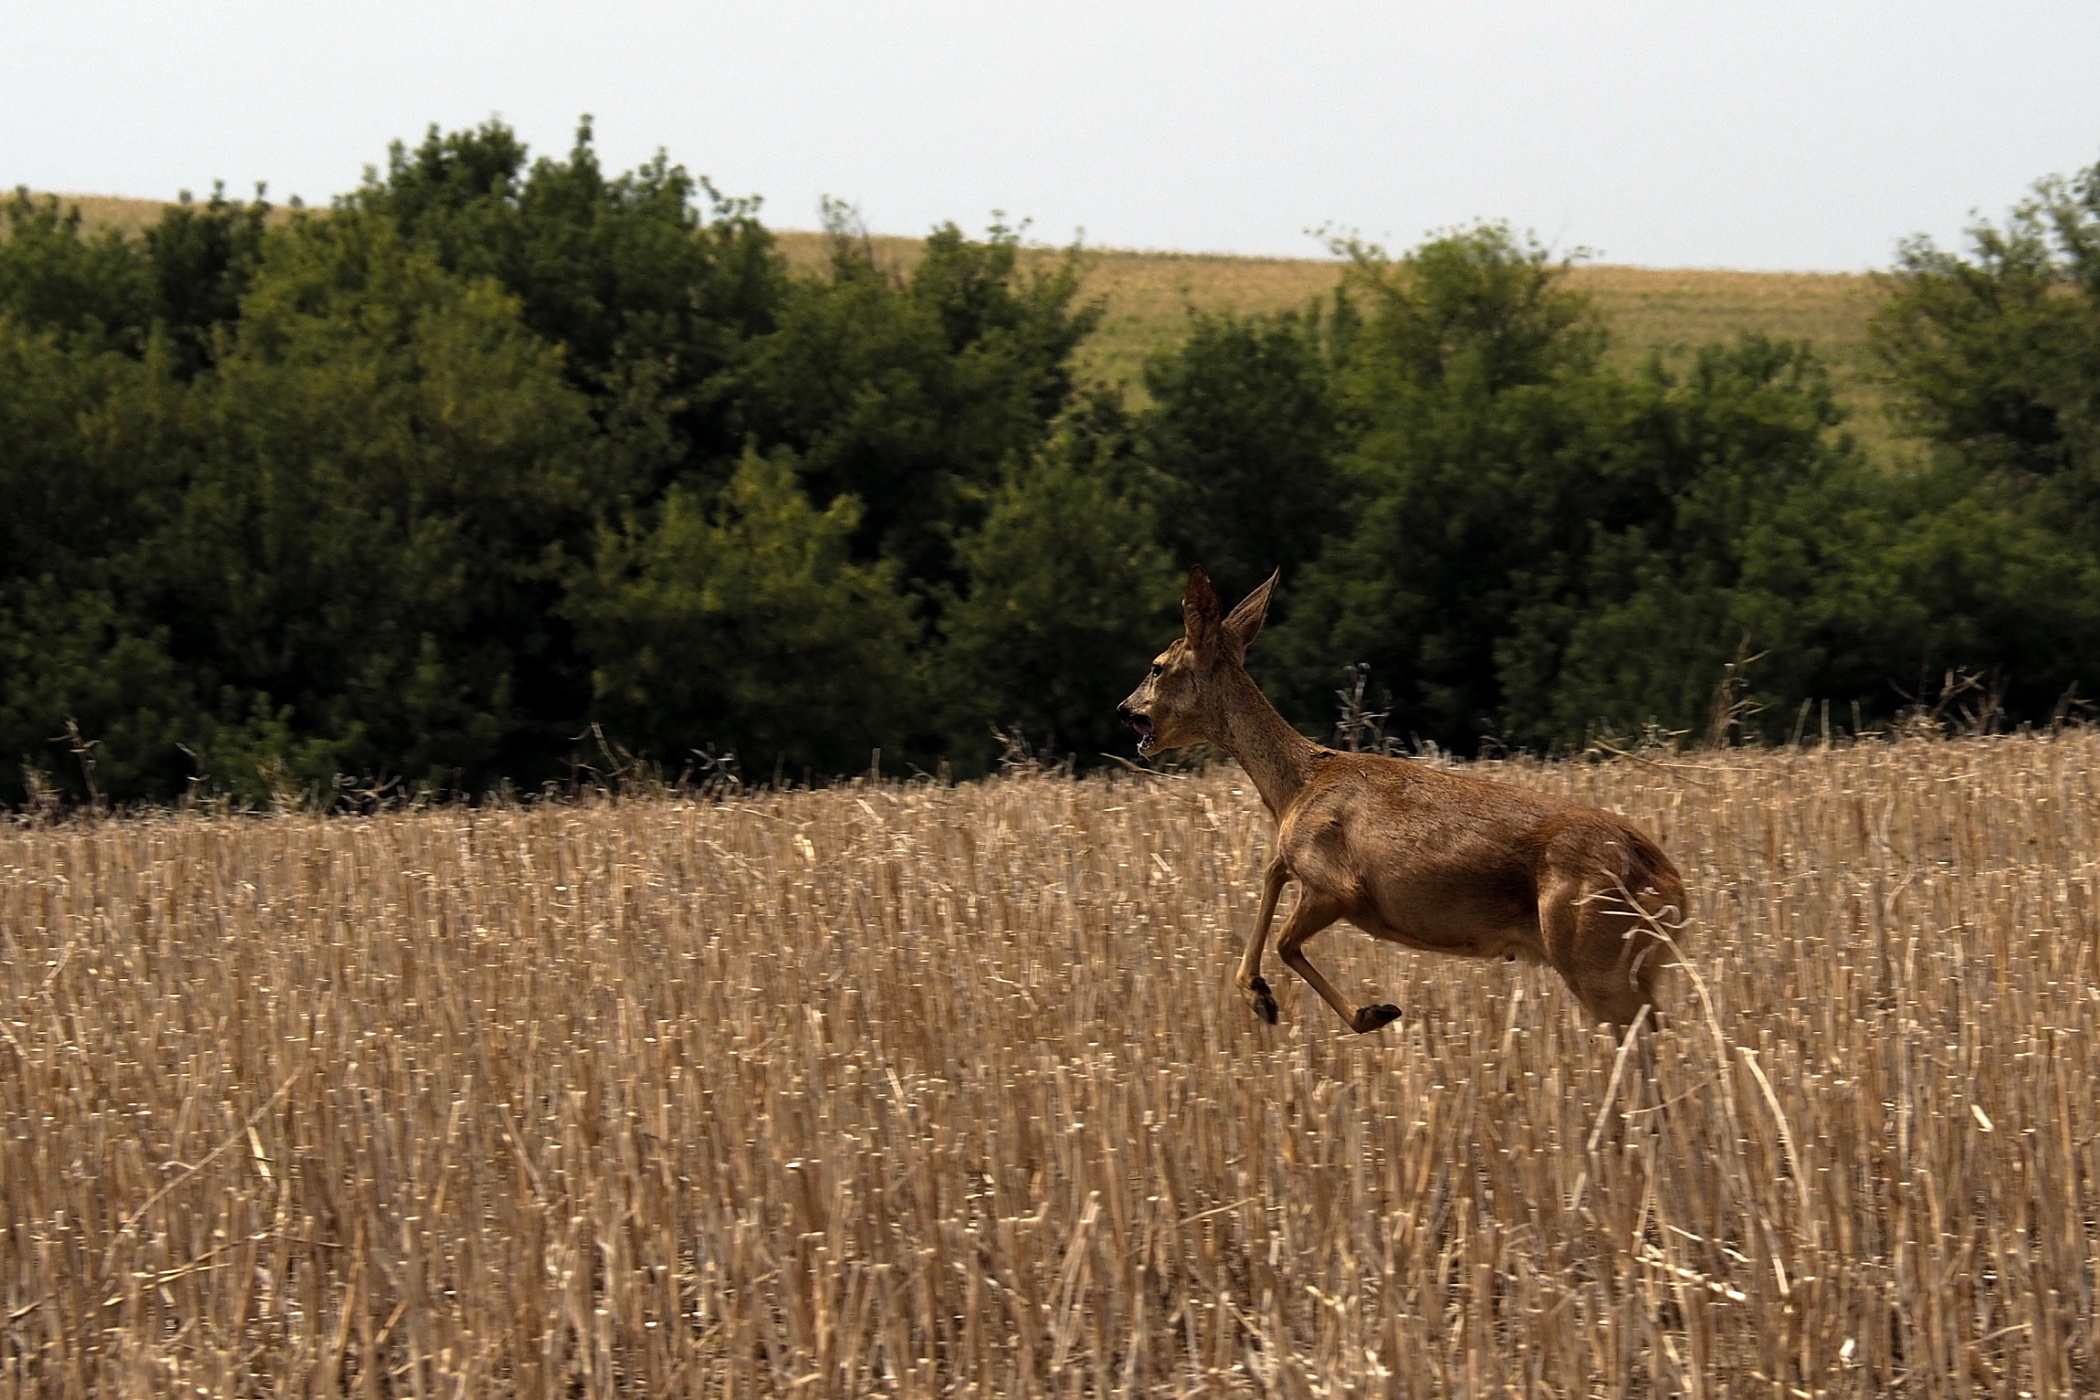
x=1140, y=723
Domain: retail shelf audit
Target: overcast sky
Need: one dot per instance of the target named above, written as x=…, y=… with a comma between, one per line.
x=1769, y=136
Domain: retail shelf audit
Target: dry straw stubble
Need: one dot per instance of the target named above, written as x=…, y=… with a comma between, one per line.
x=918, y=1090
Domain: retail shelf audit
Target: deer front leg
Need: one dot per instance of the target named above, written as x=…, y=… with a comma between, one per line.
x=1249, y=978
x=1312, y=915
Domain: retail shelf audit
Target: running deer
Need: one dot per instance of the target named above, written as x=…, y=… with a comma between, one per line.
x=1434, y=860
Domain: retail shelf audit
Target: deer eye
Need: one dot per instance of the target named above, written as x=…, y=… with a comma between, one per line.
x=1157, y=669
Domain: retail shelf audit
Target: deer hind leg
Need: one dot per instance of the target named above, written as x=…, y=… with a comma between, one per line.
x=1311, y=916
x=1586, y=935
x=1249, y=979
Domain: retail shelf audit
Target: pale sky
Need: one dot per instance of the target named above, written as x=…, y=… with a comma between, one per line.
x=1766, y=136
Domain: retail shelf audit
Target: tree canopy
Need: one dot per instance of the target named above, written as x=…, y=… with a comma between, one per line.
x=504, y=455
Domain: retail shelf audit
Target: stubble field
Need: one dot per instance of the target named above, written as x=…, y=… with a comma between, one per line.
x=918, y=1090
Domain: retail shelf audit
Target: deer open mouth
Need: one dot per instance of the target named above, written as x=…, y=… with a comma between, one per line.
x=1142, y=724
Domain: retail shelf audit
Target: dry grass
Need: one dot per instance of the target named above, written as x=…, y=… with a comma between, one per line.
x=112, y=211
x=129, y=216
x=917, y=1090
x=1148, y=296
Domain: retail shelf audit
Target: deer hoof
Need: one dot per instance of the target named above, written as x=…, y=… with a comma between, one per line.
x=1262, y=1000
x=1370, y=1018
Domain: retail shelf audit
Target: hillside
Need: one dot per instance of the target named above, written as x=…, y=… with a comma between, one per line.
x=1149, y=294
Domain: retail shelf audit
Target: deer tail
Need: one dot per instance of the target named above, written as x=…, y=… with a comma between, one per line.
x=1648, y=879
x=1652, y=879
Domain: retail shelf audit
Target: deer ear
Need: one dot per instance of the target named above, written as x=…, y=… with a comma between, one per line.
x=1245, y=623
x=1202, y=611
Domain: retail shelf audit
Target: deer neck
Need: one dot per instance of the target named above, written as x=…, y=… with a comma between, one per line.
x=1277, y=757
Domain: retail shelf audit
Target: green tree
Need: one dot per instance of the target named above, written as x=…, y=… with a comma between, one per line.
x=203, y=259
x=1996, y=354
x=90, y=465
x=1542, y=545
x=185, y=274
x=653, y=282
x=1244, y=431
x=910, y=393
x=1068, y=595
x=388, y=467
x=1734, y=456
x=1993, y=359
x=1877, y=584
x=744, y=623
x=1474, y=377
x=56, y=276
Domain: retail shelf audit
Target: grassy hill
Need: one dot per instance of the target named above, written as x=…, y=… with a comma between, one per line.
x=1149, y=294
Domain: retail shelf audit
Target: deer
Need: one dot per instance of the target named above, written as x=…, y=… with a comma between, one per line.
x=1431, y=859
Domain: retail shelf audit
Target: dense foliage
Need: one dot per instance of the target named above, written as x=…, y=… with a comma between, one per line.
x=502, y=463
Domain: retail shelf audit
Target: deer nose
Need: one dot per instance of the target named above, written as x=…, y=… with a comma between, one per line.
x=1123, y=712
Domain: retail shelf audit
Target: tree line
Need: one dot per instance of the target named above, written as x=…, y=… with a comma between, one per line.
x=502, y=464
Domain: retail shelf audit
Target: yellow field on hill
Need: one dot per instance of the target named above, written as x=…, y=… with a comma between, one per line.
x=1148, y=295
x=918, y=1090
x=112, y=211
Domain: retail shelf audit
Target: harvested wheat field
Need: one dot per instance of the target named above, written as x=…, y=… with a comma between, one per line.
x=1146, y=299
x=918, y=1090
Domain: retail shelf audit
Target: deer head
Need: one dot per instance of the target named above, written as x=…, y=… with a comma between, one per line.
x=1183, y=698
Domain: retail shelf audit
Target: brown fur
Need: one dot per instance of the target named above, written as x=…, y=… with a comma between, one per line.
x=1439, y=861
